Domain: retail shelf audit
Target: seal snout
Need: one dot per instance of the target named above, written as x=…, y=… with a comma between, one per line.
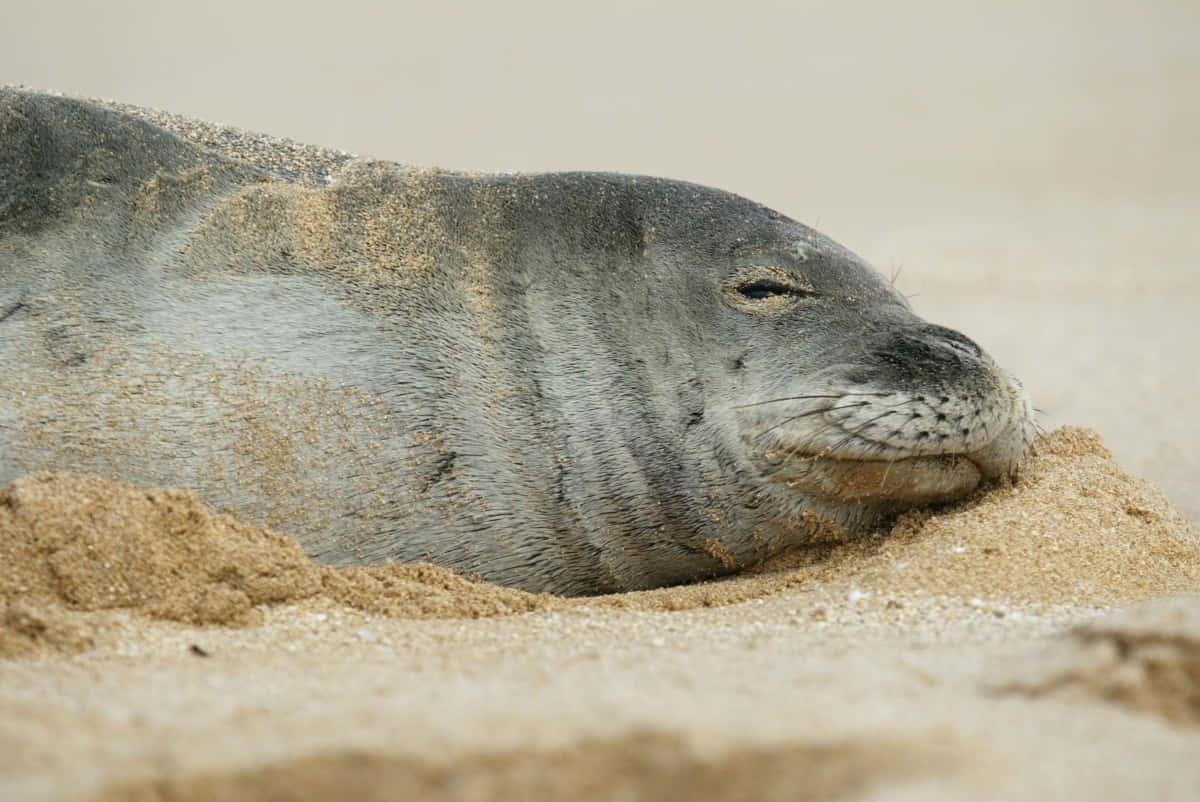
x=918, y=413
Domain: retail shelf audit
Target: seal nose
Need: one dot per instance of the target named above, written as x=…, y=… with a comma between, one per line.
x=955, y=340
x=927, y=349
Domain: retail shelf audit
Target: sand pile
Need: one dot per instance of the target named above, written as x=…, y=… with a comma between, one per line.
x=71, y=544
x=1075, y=530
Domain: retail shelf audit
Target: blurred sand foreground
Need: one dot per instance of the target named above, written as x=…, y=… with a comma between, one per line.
x=1032, y=169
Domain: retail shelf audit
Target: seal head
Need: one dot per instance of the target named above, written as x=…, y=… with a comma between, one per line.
x=844, y=404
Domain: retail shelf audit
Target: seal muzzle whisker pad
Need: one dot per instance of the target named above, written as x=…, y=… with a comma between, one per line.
x=573, y=382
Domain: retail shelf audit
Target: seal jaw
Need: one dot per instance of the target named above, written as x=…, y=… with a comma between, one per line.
x=902, y=483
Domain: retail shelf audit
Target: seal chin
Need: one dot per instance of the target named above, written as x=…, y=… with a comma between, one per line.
x=913, y=481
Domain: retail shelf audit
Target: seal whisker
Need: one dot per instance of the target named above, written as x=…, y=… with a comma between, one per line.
x=851, y=435
x=886, y=471
x=806, y=398
x=857, y=433
x=806, y=414
x=832, y=409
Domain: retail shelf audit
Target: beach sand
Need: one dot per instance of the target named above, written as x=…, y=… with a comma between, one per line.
x=154, y=650
x=1028, y=170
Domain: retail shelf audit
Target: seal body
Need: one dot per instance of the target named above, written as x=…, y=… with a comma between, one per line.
x=576, y=383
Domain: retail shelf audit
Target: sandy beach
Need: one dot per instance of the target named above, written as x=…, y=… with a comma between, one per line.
x=1028, y=173
x=155, y=650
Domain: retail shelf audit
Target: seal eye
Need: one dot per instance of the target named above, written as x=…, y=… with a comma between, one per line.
x=766, y=288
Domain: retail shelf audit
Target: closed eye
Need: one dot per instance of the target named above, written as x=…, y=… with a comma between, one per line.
x=766, y=288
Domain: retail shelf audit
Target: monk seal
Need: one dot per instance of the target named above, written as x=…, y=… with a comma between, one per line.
x=578, y=383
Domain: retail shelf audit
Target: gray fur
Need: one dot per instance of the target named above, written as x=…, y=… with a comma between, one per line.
x=575, y=382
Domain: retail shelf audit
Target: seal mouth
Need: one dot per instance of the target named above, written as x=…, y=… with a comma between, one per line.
x=909, y=481
x=885, y=448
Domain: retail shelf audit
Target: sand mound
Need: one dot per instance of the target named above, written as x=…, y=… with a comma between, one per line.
x=1075, y=530
x=1146, y=658
x=80, y=543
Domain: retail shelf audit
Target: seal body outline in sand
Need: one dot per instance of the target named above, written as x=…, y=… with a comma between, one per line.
x=575, y=382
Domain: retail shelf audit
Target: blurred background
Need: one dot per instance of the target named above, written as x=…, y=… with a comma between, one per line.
x=1029, y=170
